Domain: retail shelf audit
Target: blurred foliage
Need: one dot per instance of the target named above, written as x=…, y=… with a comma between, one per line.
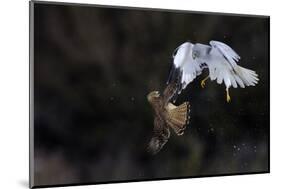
x=92, y=71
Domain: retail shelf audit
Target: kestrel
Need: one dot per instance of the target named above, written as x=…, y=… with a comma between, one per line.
x=166, y=115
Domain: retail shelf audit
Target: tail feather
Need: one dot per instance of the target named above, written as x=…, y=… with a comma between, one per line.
x=177, y=117
x=249, y=77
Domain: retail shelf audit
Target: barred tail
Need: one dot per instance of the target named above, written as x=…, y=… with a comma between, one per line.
x=178, y=117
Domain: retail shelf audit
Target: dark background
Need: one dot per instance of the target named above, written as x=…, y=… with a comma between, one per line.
x=93, y=68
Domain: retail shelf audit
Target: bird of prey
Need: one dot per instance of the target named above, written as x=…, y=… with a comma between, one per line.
x=166, y=115
x=221, y=60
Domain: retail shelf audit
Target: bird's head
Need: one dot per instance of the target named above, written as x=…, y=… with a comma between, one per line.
x=153, y=96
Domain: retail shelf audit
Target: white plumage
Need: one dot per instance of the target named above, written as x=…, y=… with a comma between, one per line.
x=188, y=66
x=220, y=59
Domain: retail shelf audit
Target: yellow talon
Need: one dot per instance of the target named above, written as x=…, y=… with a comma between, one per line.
x=203, y=82
x=228, y=99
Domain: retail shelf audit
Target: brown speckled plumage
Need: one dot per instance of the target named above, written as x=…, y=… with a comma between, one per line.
x=166, y=115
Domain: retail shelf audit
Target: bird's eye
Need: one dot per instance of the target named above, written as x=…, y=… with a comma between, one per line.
x=194, y=55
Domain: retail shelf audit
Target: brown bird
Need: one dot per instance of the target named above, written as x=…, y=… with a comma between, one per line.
x=166, y=115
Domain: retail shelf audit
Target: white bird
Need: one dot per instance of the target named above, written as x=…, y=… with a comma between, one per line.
x=190, y=59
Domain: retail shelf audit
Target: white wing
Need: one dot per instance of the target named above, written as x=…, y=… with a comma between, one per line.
x=187, y=67
x=230, y=55
x=222, y=64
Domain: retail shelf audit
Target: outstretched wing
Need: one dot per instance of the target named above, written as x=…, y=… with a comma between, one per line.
x=161, y=134
x=184, y=68
x=222, y=64
x=229, y=54
x=170, y=92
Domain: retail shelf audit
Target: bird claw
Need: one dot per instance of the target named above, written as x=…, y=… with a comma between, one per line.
x=228, y=99
x=203, y=84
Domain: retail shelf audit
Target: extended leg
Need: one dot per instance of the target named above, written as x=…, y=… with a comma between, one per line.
x=203, y=81
x=228, y=99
